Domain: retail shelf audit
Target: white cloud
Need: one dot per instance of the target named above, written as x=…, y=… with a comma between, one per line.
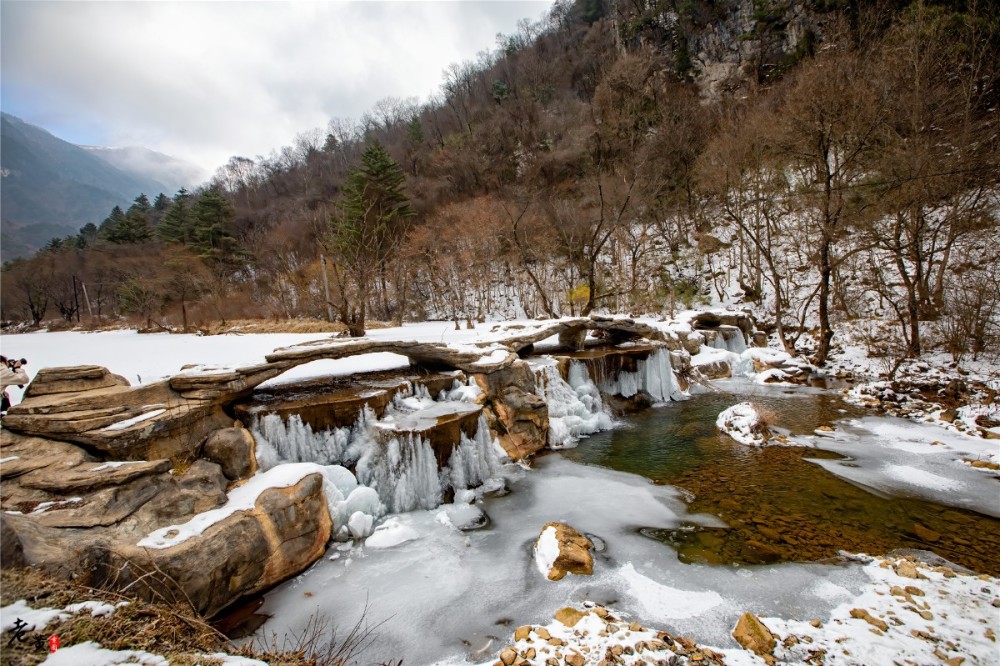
x=205, y=81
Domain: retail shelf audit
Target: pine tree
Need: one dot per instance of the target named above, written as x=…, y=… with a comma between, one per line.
x=109, y=227
x=176, y=226
x=87, y=235
x=367, y=229
x=141, y=202
x=213, y=216
x=161, y=202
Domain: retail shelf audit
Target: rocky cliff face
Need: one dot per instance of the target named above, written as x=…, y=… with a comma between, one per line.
x=726, y=45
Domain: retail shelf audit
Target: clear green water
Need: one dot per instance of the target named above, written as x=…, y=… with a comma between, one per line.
x=779, y=506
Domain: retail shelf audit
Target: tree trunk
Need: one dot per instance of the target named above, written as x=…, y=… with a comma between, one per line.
x=825, y=331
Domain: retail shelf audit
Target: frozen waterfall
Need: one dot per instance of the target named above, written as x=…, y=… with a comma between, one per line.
x=654, y=375
x=402, y=467
x=575, y=406
x=732, y=341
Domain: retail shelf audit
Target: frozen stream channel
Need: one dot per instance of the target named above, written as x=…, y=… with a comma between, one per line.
x=448, y=596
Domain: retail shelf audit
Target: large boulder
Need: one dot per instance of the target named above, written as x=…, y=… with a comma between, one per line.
x=744, y=423
x=518, y=417
x=248, y=552
x=522, y=422
x=235, y=450
x=93, y=537
x=560, y=550
x=713, y=319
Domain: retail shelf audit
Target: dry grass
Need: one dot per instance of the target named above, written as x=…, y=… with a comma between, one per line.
x=283, y=326
x=318, y=326
x=173, y=631
x=274, y=326
x=168, y=630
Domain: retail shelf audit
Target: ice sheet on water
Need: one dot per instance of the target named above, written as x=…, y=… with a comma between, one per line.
x=449, y=586
x=664, y=601
x=910, y=459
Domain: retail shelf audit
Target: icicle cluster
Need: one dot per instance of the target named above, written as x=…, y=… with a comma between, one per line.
x=654, y=375
x=400, y=469
x=575, y=406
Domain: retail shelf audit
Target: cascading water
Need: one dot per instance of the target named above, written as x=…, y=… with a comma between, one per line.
x=654, y=375
x=732, y=341
x=401, y=467
x=575, y=406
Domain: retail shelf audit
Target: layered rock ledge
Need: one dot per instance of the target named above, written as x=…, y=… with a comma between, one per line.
x=92, y=466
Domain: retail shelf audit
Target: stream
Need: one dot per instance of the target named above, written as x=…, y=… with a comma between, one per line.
x=690, y=528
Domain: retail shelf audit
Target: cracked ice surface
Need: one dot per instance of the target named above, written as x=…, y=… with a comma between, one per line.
x=896, y=457
x=446, y=587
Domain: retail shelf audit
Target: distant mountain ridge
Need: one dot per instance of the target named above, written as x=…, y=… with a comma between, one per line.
x=137, y=160
x=50, y=187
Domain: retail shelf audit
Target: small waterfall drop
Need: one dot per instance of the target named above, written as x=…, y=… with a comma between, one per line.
x=575, y=406
x=654, y=375
x=732, y=341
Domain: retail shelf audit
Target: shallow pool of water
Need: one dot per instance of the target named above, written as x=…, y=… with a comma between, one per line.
x=779, y=506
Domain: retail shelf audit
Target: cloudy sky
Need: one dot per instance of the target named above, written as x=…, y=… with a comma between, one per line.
x=204, y=81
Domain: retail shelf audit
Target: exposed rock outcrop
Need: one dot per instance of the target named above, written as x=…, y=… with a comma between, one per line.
x=234, y=450
x=560, y=550
x=287, y=530
x=79, y=518
x=518, y=416
x=751, y=633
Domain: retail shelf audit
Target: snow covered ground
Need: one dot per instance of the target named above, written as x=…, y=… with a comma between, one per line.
x=146, y=358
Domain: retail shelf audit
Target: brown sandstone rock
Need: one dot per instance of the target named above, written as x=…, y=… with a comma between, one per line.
x=751, y=633
x=569, y=616
x=49, y=381
x=692, y=342
x=91, y=475
x=714, y=369
x=31, y=453
x=574, y=552
x=926, y=533
x=250, y=551
x=234, y=450
x=522, y=422
x=863, y=614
